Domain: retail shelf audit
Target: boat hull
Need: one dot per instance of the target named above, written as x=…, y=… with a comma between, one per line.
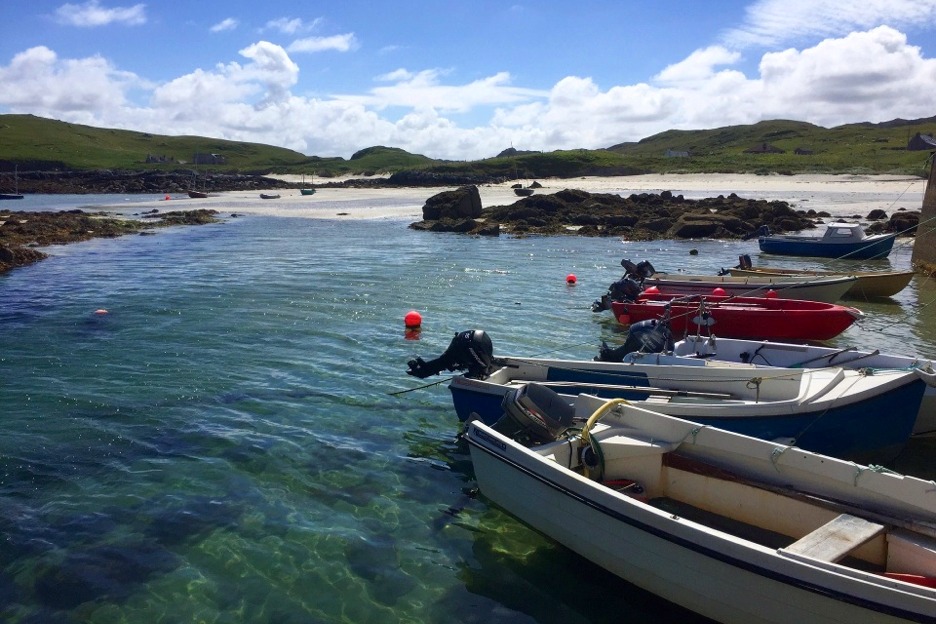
x=871, y=248
x=712, y=573
x=868, y=285
x=827, y=290
x=868, y=426
x=752, y=318
x=788, y=355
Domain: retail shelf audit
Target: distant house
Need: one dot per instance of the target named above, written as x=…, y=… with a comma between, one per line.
x=676, y=154
x=802, y=151
x=921, y=142
x=207, y=159
x=764, y=148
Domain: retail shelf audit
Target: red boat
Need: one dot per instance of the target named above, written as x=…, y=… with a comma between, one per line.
x=749, y=318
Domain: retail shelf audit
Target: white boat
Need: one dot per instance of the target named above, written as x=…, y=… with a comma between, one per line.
x=737, y=529
x=809, y=288
x=829, y=410
x=712, y=350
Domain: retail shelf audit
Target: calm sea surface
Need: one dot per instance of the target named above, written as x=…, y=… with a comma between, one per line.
x=223, y=444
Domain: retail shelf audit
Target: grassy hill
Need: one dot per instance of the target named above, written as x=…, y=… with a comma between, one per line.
x=38, y=143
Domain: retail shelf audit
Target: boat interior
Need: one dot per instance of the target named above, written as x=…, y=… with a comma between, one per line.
x=683, y=384
x=798, y=525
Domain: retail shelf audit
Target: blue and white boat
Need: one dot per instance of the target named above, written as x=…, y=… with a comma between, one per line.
x=840, y=240
x=833, y=410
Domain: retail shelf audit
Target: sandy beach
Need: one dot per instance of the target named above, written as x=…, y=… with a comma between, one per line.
x=840, y=195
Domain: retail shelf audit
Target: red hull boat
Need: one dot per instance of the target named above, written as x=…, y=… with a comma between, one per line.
x=749, y=318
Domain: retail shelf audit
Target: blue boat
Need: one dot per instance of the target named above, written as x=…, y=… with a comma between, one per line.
x=840, y=240
x=835, y=411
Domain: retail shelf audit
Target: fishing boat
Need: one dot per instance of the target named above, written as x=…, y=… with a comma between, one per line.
x=306, y=190
x=15, y=194
x=265, y=196
x=867, y=285
x=713, y=351
x=810, y=288
x=753, y=318
x=734, y=528
x=840, y=240
x=830, y=410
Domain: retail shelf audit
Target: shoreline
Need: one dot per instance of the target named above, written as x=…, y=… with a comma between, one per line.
x=840, y=195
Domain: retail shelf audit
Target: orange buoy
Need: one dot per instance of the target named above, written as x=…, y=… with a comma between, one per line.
x=624, y=319
x=412, y=320
x=719, y=292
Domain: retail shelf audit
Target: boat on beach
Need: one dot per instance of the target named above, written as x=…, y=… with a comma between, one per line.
x=755, y=318
x=830, y=410
x=267, y=196
x=734, y=528
x=840, y=240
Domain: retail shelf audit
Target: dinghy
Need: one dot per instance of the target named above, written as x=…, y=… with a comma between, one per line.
x=734, y=528
x=767, y=318
x=831, y=410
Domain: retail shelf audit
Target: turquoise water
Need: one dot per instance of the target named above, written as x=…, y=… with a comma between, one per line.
x=224, y=446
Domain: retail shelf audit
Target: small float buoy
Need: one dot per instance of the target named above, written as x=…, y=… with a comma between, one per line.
x=100, y=311
x=719, y=292
x=771, y=294
x=653, y=290
x=624, y=319
x=571, y=279
x=412, y=320
x=168, y=197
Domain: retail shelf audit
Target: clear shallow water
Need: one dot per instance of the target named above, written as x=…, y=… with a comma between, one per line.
x=222, y=446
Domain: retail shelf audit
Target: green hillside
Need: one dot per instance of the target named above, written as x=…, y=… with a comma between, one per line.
x=37, y=143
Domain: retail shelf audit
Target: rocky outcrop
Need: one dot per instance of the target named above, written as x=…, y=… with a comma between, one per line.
x=154, y=182
x=464, y=202
x=643, y=216
x=21, y=232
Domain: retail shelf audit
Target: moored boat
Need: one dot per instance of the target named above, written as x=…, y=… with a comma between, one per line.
x=840, y=240
x=266, y=196
x=831, y=410
x=825, y=289
x=737, y=529
x=756, y=318
x=867, y=285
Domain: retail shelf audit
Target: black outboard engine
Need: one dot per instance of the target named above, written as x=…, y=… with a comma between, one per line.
x=650, y=336
x=625, y=289
x=534, y=414
x=641, y=270
x=470, y=351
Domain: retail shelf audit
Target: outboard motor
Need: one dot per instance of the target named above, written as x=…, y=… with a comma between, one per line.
x=470, y=351
x=640, y=271
x=650, y=336
x=534, y=414
x=625, y=289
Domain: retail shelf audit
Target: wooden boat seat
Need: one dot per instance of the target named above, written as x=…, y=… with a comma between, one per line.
x=834, y=540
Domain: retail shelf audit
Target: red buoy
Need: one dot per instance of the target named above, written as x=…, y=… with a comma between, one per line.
x=571, y=279
x=412, y=320
x=653, y=290
x=719, y=292
x=771, y=294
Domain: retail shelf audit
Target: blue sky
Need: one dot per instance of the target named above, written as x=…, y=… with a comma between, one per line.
x=464, y=80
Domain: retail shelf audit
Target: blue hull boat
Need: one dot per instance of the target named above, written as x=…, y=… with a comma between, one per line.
x=841, y=240
x=844, y=413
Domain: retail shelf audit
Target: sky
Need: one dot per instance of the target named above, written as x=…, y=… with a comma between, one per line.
x=466, y=79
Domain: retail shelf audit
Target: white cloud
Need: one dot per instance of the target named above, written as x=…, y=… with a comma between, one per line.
x=291, y=25
x=228, y=23
x=873, y=75
x=770, y=23
x=92, y=14
x=339, y=43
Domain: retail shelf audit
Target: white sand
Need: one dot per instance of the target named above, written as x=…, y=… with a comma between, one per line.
x=840, y=195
